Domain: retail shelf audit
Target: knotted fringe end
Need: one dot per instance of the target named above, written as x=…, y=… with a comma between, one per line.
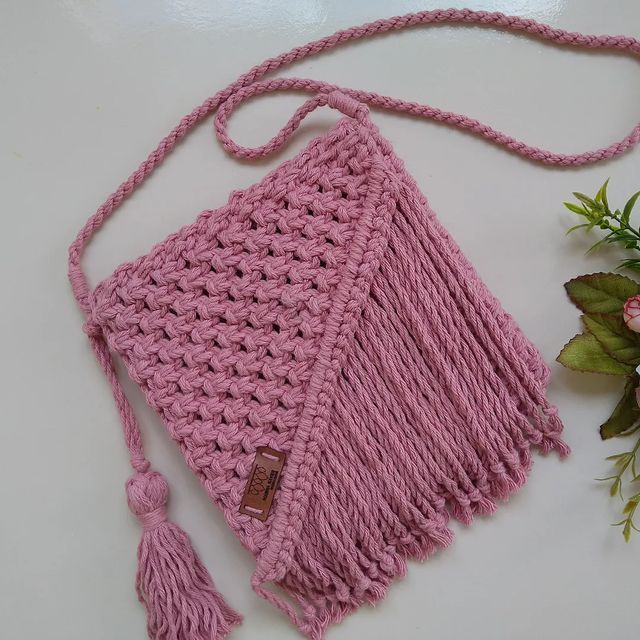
x=181, y=600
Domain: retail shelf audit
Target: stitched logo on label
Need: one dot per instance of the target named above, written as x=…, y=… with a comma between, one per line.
x=263, y=482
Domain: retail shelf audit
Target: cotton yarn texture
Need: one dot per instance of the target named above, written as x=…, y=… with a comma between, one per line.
x=325, y=313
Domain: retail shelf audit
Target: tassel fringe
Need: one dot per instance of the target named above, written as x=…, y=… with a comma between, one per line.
x=181, y=600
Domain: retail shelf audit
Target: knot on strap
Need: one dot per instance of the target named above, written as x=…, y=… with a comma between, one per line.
x=348, y=105
x=92, y=328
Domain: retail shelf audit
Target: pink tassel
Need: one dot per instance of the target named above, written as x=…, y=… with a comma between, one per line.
x=181, y=600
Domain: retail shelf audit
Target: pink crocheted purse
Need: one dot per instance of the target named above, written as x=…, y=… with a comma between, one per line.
x=310, y=347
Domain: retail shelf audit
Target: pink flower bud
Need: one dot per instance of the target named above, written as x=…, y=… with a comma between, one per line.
x=631, y=313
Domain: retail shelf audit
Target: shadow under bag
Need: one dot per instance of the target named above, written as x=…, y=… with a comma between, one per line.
x=332, y=367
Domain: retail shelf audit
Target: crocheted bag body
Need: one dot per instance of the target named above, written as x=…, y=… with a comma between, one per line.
x=326, y=314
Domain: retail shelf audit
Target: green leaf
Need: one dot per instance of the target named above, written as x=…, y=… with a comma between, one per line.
x=585, y=353
x=581, y=211
x=577, y=226
x=601, y=196
x=602, y=241
x=615, y=487
x=619, y=459
x=587, y=200
x=625, y=415
x=632, y=504
x=601, y=292
x=631, y=263
x=615, y=337
x=626, y=213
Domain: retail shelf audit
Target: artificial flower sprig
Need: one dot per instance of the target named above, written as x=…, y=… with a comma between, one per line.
x=616, y=223
x=610, y=341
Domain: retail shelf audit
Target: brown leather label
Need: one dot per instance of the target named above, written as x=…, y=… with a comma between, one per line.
x=262, y=483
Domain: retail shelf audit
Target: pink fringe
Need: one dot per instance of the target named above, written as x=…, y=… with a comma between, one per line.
x=181, y=600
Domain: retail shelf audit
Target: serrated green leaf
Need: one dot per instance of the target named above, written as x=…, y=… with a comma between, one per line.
x=601, y=292
x=626, y=213
x=624, y=416
x=615, y=337
x=585, y=353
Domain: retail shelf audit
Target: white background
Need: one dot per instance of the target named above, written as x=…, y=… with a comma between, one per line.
x=88, y=88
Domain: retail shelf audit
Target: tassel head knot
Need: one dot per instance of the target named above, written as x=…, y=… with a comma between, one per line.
x=147, y=495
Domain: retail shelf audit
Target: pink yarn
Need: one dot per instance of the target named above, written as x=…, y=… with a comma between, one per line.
x=172, y=582
x=325, y=313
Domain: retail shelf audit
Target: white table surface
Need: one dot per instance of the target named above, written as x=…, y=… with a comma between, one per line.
x=88, y=88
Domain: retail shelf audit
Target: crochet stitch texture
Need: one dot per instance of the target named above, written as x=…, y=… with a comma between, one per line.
x=325, y=312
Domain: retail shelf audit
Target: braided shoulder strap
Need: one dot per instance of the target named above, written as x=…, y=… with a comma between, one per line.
x=249, y=84
x=179, y=593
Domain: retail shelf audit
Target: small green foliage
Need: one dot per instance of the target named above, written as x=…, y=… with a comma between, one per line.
x=616, y=224
x=626, y=465
x=607, y=345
